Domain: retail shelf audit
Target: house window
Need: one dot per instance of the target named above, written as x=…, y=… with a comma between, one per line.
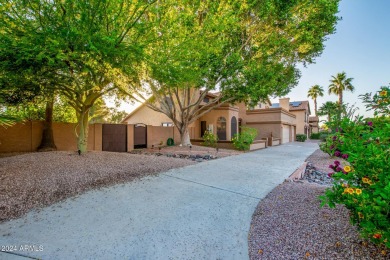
x=221, y=128
x=167, y=124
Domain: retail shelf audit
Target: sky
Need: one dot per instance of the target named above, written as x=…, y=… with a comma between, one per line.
x=360, y=47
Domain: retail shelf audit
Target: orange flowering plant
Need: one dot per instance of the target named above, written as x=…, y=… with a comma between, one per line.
x=363, y=185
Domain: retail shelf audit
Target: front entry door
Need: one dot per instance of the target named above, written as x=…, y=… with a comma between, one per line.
x=202, y=128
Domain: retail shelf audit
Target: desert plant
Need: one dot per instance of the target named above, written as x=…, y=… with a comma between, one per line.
x=210, y=139
x=301, y=137
x=242, y=141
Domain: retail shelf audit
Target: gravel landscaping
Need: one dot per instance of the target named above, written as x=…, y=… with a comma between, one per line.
x=195, y=152
x=35, y=180
x=290, y=224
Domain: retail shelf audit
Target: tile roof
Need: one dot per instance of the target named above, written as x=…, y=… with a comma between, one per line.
x=299, y=105
x=295, y=105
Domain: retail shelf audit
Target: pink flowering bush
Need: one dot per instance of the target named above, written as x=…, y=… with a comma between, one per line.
x=363, y=186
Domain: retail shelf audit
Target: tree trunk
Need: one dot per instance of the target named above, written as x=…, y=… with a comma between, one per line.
x=47, y=143
x=184, y=137
x=82, y=141
x=340, y=100
x=315, y=107
x=340, y=108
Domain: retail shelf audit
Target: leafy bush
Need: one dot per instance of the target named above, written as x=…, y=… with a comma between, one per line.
x=323, y=136
x=210, y=139
x=315, y=136
x=363, y=186
x=301, y=137
x=242, y=141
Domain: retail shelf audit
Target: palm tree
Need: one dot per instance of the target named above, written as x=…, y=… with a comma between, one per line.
x=328, y=109
x=314, y=92
x=339, y=84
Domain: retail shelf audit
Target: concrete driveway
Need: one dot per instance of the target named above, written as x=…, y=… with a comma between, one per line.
x=202, y=211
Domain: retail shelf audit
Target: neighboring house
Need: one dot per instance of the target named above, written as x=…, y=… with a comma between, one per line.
x=301, y=109
x=313, y=122
x=276, y=122
x=282, y=120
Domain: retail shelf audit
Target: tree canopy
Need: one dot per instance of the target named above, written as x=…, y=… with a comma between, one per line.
x=245, y=50
x=176, y=51
x=82, y=49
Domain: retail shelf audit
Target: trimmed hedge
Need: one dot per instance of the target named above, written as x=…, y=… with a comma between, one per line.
x=301, y=137
x=315, y=136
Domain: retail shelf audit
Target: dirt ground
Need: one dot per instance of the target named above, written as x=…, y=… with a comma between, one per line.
x=33, y=180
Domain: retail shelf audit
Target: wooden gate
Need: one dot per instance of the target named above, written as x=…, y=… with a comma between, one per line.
x=114, y=138
x=140, y=136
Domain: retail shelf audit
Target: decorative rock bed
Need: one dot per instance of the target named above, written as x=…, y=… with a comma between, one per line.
x=313, y=175
x=193, y=157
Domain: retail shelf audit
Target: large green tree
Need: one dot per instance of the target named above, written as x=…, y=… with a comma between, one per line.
x=82, y=49
x=245, y=50
x=338, y=85
x=315, y=92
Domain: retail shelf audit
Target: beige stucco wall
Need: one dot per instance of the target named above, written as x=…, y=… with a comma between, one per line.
x=147, y=116
x=26, y=137
x=211, y=118
x=315, y=129
x=284, y=103
x=269, y=121
x=266, y=129
x=130, y=137
x=300, y=121
x=158, y=135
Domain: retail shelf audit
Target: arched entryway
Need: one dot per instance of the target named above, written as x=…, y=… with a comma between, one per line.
x=221, y=128
x=140, y=136
x=233, y=126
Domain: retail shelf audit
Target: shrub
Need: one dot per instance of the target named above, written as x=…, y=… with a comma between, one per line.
x=363, y=186
x=243, y=140
x=315, y=136
x=301, y=137
x=210, y=139
x=323, y=136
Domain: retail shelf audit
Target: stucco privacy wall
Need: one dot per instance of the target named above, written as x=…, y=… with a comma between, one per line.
x=157, y=135
x=26, y=137
x=265, y=129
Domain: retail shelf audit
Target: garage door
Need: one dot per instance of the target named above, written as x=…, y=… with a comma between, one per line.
x=286, y=134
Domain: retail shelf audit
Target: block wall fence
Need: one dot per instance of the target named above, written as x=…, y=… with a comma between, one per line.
x=26, y=136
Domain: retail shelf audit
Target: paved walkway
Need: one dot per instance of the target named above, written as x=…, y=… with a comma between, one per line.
x=202, y=211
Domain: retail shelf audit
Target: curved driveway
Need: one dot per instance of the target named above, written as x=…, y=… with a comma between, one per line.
x=202, y=211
